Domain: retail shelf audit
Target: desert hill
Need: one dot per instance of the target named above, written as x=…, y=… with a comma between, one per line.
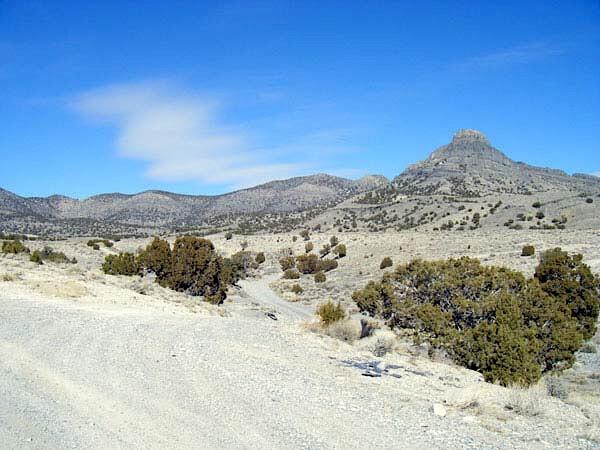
x=466, y=184
x=159, y=209
x=469, y=184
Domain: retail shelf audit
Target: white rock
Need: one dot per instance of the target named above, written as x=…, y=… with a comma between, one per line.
x=439, y=410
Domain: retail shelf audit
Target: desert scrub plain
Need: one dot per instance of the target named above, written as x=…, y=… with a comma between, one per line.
x=100, y=361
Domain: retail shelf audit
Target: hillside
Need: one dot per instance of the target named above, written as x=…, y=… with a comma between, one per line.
x=124, y=213
x=466, y=184
x=470, y=166
x=469, y=184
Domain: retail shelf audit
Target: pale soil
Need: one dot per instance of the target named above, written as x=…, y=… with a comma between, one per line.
x=94, y=361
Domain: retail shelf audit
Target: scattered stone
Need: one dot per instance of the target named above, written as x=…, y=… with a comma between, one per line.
x=439, y=410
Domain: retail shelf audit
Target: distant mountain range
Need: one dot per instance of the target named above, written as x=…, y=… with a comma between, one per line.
x=468, y=167
x=166, y=209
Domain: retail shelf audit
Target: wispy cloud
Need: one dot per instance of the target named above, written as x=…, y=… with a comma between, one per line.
x=523, y=54
x=182, y=137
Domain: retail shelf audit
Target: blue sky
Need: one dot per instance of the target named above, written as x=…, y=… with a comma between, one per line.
x=203, y=97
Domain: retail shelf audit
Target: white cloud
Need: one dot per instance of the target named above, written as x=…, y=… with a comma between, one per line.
x=180, y=136
x=522, y=54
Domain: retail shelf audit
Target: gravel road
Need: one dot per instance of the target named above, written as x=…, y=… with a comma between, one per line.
x=259, y=291
x=73, y=377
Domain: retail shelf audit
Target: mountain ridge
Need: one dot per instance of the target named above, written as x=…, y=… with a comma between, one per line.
x=166, y=208
x=467, y=168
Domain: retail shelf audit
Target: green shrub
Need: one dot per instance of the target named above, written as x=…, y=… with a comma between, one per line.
x=536, y=204
x=528, y=250
x=334, y=241
x=386, y=262
x=320, y=277
x=589, y=200
x=297, y=289
x=14, y=247
x=228, y=235
x=376, y=299
x=192, y=265
x=236, y=267
x=36, y=257
x=540, y=215
x=305, y=235
x=307, y=264
x=330, y=313
x=308, y=247
x=260, y=258
x=157, y=258
x=196, y=269
x=326, y=265
x=121, y=264
x=94, y=243
x=325, y=250
x=566, y=278
x=340, y=250
x=287, y=262
x=291, y=274
x=48, y=254
x=492, y=319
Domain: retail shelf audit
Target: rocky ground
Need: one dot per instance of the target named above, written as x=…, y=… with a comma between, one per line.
x=97, y=361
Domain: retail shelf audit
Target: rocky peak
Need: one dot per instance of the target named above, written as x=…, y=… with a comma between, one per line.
x=466, y=135
x=468, y=147
x=470, y=166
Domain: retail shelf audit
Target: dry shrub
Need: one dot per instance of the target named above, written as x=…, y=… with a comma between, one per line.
x=291, y=274
x=382, y=345
x=297, y=289
x=526, y=401
x=344, y=330
x=62, y=289
x=287, y=262
x=320, y=277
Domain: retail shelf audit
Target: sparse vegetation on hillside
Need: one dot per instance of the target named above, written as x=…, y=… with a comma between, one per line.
x=492, y=319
